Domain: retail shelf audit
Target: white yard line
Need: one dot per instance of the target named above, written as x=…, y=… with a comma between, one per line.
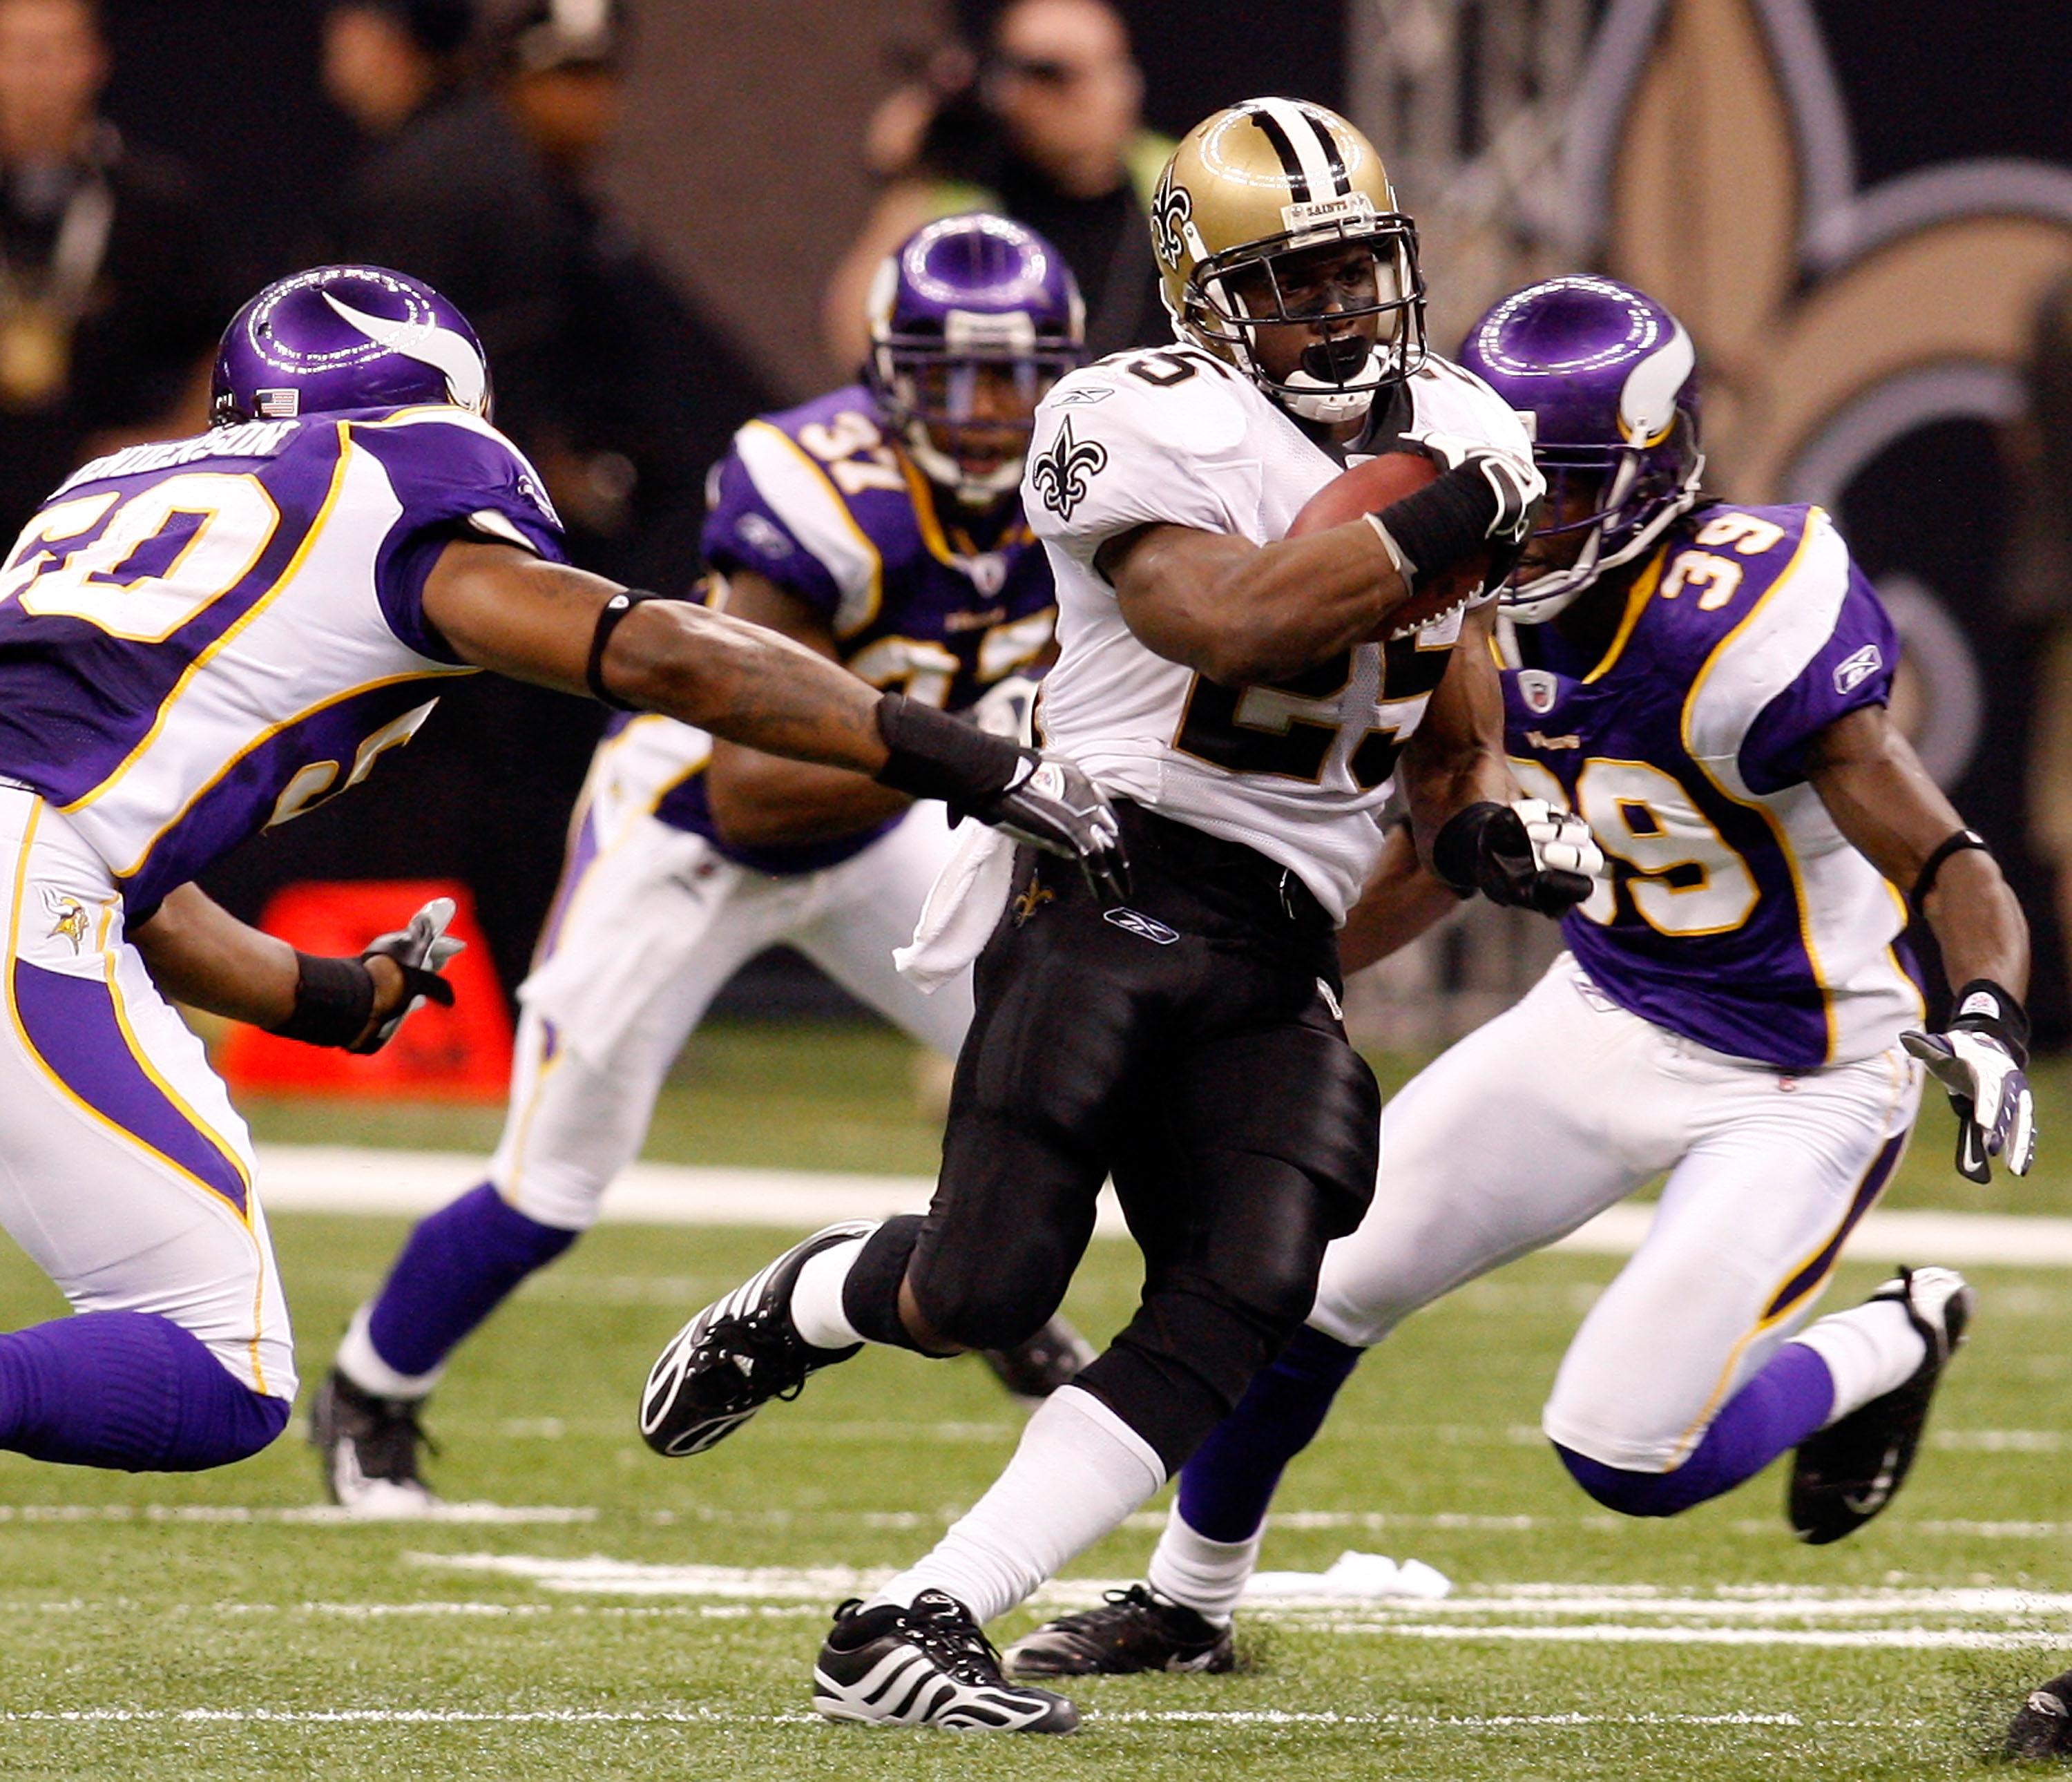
x=702, y=1716
x=342, y=1179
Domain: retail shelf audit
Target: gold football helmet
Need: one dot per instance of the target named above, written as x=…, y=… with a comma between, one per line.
x=1255, y=184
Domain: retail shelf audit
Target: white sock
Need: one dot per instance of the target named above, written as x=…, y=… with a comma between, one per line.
x=1079, y=1471
x=358, y=1361
x=816, y=1297
x=1868, y=1350
x=1204, y=1575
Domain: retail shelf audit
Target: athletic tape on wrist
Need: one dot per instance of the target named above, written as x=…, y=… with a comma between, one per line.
x=932, y=755
x=1456, y=849
x=333, y=999
x=1983, y=1006
x=1446, y=520
x=609, y=619
x=1961, y=842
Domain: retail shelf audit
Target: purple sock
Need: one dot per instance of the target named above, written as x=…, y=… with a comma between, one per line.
x=1225, y=1488
x=130, y=1391
x=1778, y=1410
x=458, y=1266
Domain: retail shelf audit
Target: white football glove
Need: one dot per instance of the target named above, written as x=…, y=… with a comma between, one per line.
x=1516, y=479
x=1996, y=1109
x=1007, y=708
x=421, y=950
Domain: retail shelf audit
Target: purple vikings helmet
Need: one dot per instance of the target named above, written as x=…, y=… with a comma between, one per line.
x=1604, y=378
x=963, y=294
x=345, y=337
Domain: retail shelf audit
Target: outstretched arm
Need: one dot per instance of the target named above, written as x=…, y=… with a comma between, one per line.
x=500, y=607
x=760, y=800
x=503, y=608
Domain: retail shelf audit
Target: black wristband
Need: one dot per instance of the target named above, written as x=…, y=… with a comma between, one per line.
x=1438, y=526
x=1983, y=1006
x=333, y=999
x=1458, y=847
x=1924, y=882
x=609, y=619
x=934, y=755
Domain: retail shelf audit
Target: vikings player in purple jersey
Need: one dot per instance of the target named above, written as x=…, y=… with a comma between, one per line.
x=1706, y=684
x=880, y=526
x=204, y=638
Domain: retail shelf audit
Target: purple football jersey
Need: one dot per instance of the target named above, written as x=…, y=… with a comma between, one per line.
x=920, y=597
x=203, y=638
x=1735, y=913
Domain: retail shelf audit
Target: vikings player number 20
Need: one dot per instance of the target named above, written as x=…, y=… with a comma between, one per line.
x=161, y=557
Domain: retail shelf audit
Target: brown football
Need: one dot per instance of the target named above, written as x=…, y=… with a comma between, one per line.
x=1369, y=488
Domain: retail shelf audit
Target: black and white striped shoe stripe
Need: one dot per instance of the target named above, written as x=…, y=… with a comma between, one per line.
x=906, y=1688
x=1309, y=154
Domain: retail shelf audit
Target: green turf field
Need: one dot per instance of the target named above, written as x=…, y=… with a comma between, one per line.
x=210, y=1626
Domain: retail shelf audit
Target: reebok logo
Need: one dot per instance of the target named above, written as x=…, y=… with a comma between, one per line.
x=1852, y=671
x=1144, y=926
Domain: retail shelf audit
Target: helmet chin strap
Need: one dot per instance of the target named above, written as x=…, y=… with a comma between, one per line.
x=945, y=472
x=1314, y=400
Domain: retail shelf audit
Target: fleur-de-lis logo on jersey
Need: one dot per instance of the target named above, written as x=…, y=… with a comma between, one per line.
x=1062, y=474
x=1033, y=900
x=72, y=919
x=1171, y=206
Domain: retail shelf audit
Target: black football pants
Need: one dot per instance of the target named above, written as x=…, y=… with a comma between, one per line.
x=1196, y=1057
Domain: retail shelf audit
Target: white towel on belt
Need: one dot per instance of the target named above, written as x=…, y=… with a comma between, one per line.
x=961, y=910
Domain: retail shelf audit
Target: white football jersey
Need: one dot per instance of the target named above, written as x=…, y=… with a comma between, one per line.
x=1297, y=772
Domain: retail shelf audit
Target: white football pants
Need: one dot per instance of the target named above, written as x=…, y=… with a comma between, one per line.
x=124, y=1172
x=646, y=933
x=1563, y=1106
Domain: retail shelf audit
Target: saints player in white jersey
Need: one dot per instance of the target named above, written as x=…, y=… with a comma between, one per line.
x=1246, y=699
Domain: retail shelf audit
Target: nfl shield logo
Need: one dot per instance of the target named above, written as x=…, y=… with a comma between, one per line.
x=1539, y=690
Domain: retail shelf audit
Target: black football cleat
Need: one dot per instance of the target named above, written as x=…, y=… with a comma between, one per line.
x=1132, y=1630
x=929, y=1666
x=2043, y=1727
x=736, y=1355
x=367, y=1447
x=1034, y=1369
x=1845, y=1474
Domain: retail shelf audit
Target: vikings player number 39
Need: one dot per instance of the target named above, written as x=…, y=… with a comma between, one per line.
x=1706, y=684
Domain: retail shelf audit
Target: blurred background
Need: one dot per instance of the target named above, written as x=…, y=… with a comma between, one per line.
x=659, y=215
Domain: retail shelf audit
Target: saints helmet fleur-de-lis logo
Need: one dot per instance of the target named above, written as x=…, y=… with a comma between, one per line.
x=1061, y=475
x=1172, y=205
